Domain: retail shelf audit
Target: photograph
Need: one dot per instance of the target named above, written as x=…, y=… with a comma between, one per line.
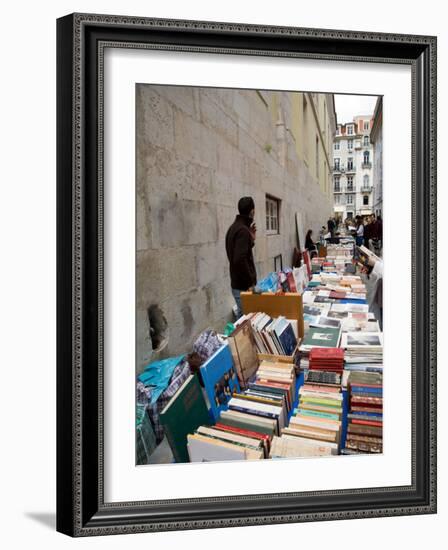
x=364, y=339
x=258, y=228
x=218, y=184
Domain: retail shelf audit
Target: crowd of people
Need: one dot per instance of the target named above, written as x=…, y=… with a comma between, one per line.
x=240, y=240
x=367, y=230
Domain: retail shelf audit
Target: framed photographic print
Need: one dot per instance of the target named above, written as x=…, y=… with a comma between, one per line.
x=197, y=387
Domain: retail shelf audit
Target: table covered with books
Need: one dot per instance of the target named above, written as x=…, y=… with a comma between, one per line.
x=304, y=383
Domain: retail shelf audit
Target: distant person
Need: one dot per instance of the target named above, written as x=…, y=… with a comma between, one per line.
x=309, y=244
x=359, y=231
x=375, y=270
x=330, y=226
x=368, y=231
x=377, y=234
x=240, y=239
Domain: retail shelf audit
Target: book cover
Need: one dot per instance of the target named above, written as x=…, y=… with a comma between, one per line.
x=244, y=352
x=182, y=415
x=287, y=338
x=322, y=337
x=220, y=379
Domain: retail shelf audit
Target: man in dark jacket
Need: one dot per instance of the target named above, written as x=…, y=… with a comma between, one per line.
x=240, y=239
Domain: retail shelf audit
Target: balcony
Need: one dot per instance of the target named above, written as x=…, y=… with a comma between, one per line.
x=337, y=189
x=351, y=169
x=350, y=189
x=338, y=168
x=366, y=189
x=366, y=165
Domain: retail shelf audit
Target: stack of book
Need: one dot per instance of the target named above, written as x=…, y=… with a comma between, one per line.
x=319, y=414
x=327, y=359
x=363, y=351
x=273, y=336
x=365, y=417
x=268, y=399
x=292, y=446
x=215, y=443
x=328, y=266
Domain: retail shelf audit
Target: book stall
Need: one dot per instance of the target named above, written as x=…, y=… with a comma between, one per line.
x=298, y=375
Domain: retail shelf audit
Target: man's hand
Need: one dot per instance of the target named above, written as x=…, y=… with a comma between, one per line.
x=253, y=230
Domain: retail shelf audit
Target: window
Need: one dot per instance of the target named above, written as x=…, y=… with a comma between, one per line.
x=365, y=200
x=349, y=183
x=337, y=199
x=350, y=144
x=366, y=125
x=349, y=215
x=366, y=181
x=337, y=183
x=366, y=141
x=366, y=157
x=272, y=215
x=349, y=199
x=337, y=164
x=336, y=145
x=350, y=163
x=350, y=130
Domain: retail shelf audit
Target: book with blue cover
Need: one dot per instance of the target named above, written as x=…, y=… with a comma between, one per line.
x=287, y=338
x=220, y=380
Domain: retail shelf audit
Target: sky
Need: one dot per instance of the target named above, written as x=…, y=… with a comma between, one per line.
x=348, y=106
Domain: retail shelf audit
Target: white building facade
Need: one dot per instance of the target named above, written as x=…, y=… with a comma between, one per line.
x=353, y=168
x=376, y=138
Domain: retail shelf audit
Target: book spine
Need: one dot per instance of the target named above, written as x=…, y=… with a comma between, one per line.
x=361, y=394
x=316, y=401
x=265, y=414
x=365, y=415
x=366, y=422
x=365, y=430
x=367, y=387
x=316, y=414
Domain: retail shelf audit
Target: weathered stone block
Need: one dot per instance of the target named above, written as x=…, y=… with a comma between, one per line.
x=144, y=345
x=154, y=121
x=210, y=262
x=143, y=223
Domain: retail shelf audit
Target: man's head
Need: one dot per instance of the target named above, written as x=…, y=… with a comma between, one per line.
x=246, y=207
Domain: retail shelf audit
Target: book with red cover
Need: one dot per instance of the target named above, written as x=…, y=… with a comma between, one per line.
x=337, y=295
x=291, y=282
x=328, y=359
x=374, y=409
x=363, y=399
x=306, y=259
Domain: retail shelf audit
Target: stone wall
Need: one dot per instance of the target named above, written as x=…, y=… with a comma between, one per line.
x=198, y=151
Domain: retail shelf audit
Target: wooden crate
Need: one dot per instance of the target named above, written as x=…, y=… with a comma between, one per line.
x=288, y=305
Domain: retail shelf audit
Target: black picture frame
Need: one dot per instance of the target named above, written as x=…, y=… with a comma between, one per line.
x=81, y=510
x=278, y=263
